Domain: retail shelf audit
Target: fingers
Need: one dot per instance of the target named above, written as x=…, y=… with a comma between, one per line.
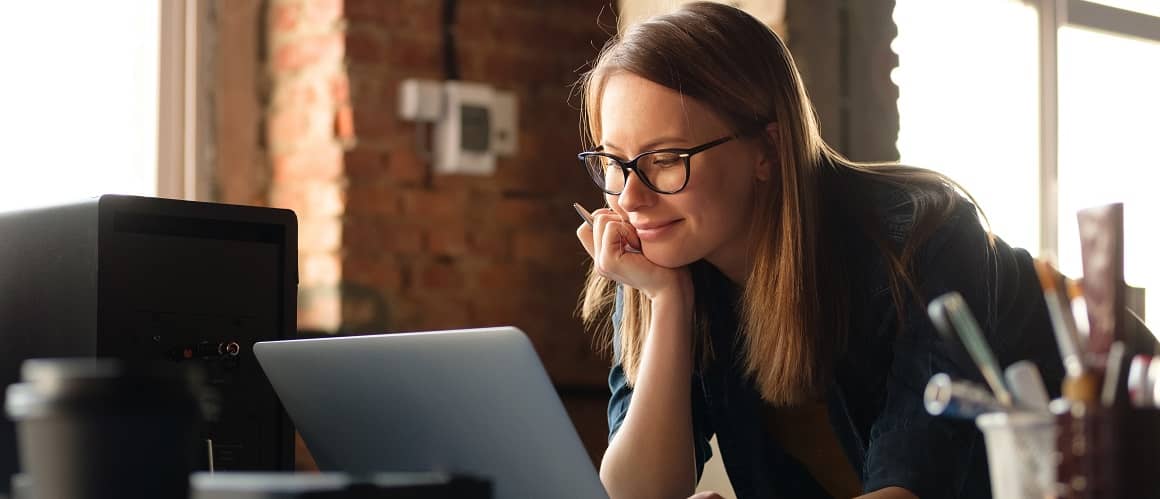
x=614, y=238
x=607, y=239
x=707, y=495
x=584, y=234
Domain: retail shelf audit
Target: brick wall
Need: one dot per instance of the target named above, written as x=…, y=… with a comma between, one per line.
x=425, y=251
x=305, y=104
x=308, y=126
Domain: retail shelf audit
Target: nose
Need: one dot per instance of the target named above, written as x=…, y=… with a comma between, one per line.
x=635, y=195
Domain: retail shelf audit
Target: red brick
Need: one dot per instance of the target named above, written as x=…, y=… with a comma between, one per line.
x=296, y=93
x=322, y=162
x=411, y=15
x=546, y=247
x=512, y=309
x=444, y=313
x=372, y=124
x=415, y=51
x=510, y=68
x=448, y=239
x=320, y=269
x=288, y=126
x=373, y=198
x=284, y=16
x=323, y=13
x=364, y=164
x=503, y=277
x=339, y=87
x=475, y=22
x=433, y=206
x=366, y=45
x=303, y=461
x=344, y=124
x=370, y=11
x=366, y=85
x=405, y=166
x=319, y=234
x=377, y=271
x=443, y=182
x=298, y=53
x=493, y=245
x=371, y=235
x=519, y=212
x=319, y=308
x=309, y=198
x=506, y=238
x=441, y=276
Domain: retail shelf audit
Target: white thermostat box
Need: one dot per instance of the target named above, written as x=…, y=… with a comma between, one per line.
x=473, y=122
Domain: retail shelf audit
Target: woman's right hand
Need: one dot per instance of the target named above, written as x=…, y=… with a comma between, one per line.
x=608, y=240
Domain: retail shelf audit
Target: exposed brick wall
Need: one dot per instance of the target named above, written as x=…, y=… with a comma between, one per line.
x=307, y=127
x=384, y=244
x=425, y=251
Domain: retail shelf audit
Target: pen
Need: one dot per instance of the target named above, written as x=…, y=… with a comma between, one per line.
x=587, y=218
x=958, y=399
x=951, y=315
x=1079, y=384
x=1027, y=386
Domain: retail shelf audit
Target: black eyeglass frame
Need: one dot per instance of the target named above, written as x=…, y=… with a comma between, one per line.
x=625, y=166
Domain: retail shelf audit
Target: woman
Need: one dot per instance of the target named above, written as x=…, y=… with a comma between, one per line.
x=766, y=290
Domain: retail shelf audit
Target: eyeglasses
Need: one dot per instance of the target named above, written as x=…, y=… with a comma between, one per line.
x=665, y=170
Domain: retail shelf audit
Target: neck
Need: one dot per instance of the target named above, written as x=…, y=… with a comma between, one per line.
x=732, y=261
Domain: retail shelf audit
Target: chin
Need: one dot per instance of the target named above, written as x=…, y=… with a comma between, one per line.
x=667, y=257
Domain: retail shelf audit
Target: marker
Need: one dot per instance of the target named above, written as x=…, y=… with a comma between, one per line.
x=1080, y=384
x=1027, y=385
x=1138, y=391
x=1112, y=374
x=951, y=315
x=958, y=399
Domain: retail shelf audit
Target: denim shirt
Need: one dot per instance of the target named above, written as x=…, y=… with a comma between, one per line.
x=875, y=401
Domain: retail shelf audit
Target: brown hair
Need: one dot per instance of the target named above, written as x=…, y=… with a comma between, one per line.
x=795, y=302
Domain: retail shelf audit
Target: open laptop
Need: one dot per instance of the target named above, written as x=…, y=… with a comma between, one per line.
x=474, y=401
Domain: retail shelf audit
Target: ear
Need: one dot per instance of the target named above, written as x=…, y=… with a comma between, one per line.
x=768, y=159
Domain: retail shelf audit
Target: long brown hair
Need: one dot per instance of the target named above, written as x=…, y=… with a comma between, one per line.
x=739, y=68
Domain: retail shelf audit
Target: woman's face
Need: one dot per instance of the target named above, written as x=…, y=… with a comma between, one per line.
x=708, y=219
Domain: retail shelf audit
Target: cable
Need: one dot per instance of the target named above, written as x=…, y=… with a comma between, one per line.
x=450, y=60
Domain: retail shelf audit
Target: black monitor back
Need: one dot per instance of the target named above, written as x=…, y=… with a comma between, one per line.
x=143, y=279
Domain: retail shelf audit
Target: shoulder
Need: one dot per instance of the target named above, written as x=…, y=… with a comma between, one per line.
x=908, y=205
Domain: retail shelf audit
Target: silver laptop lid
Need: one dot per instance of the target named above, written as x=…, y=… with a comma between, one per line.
x=475, y=401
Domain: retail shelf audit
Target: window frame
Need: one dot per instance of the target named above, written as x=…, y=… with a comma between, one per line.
x=1053, y=16
x=182, y=111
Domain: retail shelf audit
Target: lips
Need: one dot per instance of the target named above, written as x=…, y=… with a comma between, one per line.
x=655, y=230
x=652, y=226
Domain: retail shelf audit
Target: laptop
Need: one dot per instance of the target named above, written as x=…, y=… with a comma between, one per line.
x=472, y=401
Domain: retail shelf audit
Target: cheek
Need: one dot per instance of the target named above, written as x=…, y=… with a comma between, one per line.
x=610, y=202
x=721, y=206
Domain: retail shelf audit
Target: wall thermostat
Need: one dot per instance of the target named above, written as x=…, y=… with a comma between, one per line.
x=473, y=122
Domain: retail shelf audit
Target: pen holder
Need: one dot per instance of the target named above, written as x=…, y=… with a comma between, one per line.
x=1107, y=452
x=1020, y=454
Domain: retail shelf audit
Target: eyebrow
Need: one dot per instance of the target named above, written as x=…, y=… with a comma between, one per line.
x=652, y=145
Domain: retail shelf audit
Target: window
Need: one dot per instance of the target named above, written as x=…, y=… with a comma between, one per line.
x=968, y=104
x=1108, y=147
x=984, y=88
x=79, y=101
